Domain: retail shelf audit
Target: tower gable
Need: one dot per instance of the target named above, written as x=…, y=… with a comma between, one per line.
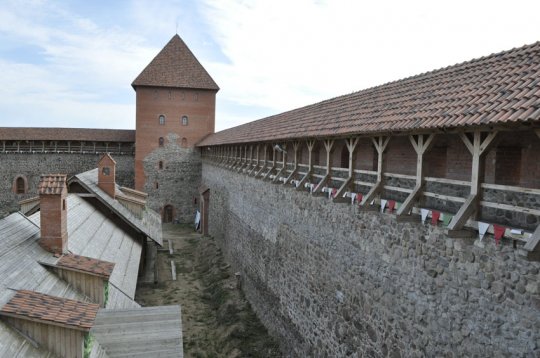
x=175, y=66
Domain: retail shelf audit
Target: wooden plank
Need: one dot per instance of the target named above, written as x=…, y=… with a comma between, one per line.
x=532, y=244
x=444, y=197
x=171, y=251
x=380, y=144
x=173, y=270
x=508, y=207
x=515, y=189
x=447, y=181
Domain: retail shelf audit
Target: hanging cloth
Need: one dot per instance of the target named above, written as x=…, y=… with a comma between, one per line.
x=435, y=215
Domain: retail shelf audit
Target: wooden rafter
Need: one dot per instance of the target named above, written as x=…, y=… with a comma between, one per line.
x=380, y=144
x=328, y=144
x=421, y=144
x=478, y=147
x=351, y=146
x=310, y=145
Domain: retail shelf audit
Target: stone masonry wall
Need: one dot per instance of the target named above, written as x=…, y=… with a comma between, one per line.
x=32, y=166
x=328, y=280
x=178, y=181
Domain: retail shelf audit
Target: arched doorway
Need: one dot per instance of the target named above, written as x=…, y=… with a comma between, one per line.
x=168, y=213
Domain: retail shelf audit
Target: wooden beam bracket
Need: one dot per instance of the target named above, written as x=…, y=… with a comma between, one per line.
x=380, y=144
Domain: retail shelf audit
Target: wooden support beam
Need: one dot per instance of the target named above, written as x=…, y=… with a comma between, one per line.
x=267, y=175
x=421, y=145
x=531, y=250
x=283, y=168
x=296, y=145
x=259, y=172
x=310, y=145
x=253, y=170
x=478, y=147
x=328, y=144
x=380, y=144
x=351, y=146
x=538, y=132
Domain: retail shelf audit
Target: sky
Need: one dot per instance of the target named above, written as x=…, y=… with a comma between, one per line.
x=71, y=63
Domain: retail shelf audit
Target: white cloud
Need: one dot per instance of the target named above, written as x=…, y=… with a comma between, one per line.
x=286, y=54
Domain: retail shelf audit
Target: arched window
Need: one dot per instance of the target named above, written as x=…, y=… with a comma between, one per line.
x=20, y=186
x=161, y=119
x=184, y=120
x=161, y=141
x=160, y=164
x=184, y=143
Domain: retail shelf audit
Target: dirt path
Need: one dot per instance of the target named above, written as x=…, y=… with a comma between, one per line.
x=217, y=319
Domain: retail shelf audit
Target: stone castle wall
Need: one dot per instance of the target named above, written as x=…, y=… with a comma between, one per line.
x=178, y=180
x=32, y=165
x=329, y=280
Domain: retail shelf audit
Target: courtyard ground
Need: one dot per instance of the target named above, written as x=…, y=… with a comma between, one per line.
x=217, y=320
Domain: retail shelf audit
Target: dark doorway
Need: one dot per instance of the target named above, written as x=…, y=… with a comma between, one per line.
x=168, y=214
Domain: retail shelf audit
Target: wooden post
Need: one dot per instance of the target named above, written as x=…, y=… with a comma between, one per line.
x=421, y=145
x=380, y=144
x=283, y=167
x=478, y=148
x=265, y=162
x=328, y=144
x=296, y=145
x=310, y=145
x=267, y=175
x=256, y=166
x=538, y=133
x=351, y=146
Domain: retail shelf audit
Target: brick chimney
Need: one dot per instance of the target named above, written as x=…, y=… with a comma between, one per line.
x=53, y=212
x=106, y=174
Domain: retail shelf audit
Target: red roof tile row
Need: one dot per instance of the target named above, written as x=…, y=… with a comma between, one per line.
x=502, y=88
x=51, y=184
x=61, y=311
x=175, y=66
x=61, y=134
x=86, y=264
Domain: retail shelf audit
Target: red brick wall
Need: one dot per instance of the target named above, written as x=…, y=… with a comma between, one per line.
x=198, y=105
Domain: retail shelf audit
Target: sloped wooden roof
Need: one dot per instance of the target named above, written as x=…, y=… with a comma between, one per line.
x=149, y=224
x=175, y=66
x=502, y=88
x=35, y=306
x=75, y=134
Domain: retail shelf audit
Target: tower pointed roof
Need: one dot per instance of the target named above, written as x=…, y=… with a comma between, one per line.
x=175, y=66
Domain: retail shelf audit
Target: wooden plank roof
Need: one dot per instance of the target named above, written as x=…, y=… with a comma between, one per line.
x=149, y=224
x=500, y=89
x=177, y=67
x=142, y=332
x=61, y=134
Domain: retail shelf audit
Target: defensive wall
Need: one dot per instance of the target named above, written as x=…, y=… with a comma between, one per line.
x=330, y=279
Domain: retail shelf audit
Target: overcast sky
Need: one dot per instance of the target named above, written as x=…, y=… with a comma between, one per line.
x=70, y=63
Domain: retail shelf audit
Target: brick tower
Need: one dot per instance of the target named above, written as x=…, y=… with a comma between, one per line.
x=175, y=108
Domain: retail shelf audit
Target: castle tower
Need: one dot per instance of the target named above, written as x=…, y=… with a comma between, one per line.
x=175, y=108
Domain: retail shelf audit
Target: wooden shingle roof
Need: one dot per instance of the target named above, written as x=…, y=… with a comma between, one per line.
x=175, y=66
x=502, y=88
x=44, y=308
x=86, y=264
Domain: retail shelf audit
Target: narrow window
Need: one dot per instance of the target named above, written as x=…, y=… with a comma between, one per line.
x=160, y=165
x=184, y=143
x=20, y=186
x=196, y=97
x=161, y=119
x=64, y=204
x=161, y=141
x=156, y=184
x=184, y=120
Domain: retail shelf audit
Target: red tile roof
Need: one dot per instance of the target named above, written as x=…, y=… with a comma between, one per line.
x=51, y=184
x=86, y=264
x=502, y=88
x=75, y=134
x=175, y=66
x=54, y=310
